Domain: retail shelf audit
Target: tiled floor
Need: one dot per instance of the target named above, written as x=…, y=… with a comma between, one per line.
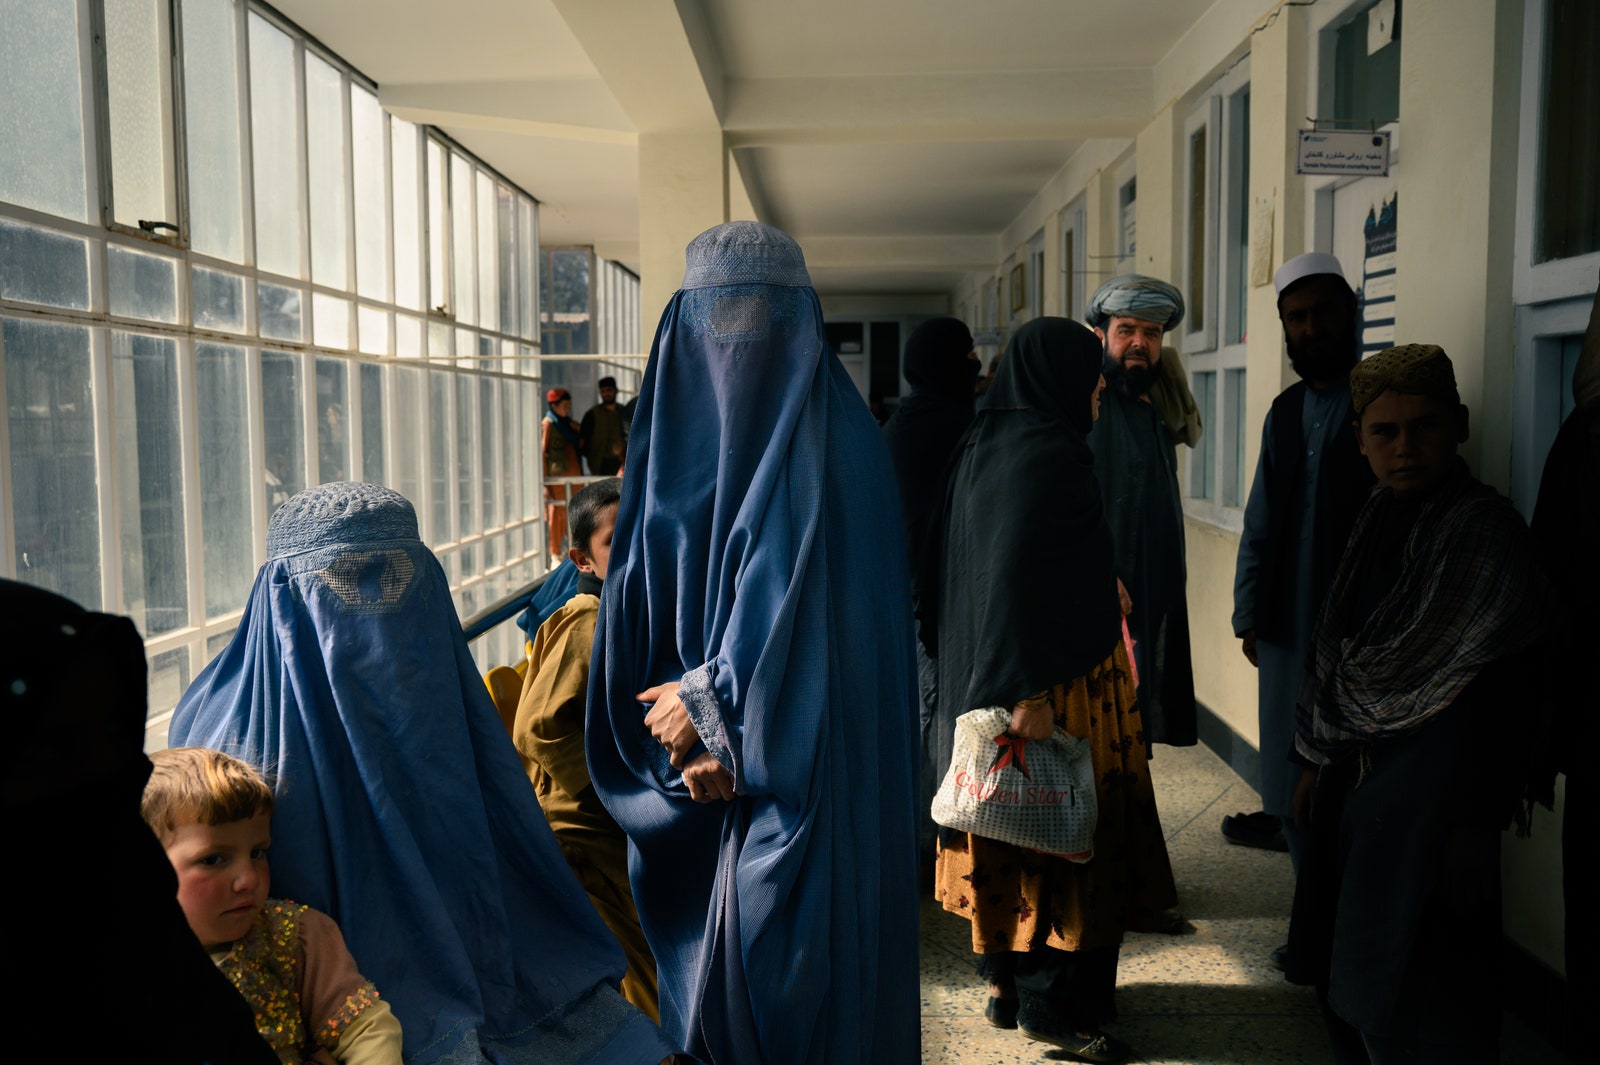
x=1209, y=996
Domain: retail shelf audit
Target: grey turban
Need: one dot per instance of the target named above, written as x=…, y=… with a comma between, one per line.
x=1135, y=296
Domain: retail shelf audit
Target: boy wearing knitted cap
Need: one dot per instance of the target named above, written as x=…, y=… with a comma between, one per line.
x=1415, y=693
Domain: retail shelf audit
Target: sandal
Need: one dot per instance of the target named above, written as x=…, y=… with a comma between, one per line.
x=1098, y=1047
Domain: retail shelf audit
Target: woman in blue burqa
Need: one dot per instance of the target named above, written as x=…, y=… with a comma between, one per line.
x=401, y=808
x=752, y=706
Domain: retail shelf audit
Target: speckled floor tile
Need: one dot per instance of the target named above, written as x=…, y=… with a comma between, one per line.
x=973, y=1041
x=1208, y=997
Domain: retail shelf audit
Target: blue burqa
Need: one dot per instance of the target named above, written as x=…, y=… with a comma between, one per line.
x=401, y=808
x=759, y=558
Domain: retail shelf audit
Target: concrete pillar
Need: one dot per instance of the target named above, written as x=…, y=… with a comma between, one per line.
x=1460, y=79
x=683, y=191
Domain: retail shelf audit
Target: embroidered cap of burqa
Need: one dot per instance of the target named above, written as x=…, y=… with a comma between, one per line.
x=758, y=556
x=401, y=807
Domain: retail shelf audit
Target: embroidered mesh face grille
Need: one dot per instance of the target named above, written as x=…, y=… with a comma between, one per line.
x=369, y=581
x=734, y=317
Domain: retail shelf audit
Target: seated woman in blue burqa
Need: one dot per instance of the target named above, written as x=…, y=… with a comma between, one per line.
x=401, y=808
x=752, y=706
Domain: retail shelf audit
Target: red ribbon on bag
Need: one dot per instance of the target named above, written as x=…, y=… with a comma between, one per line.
x=1009, y=746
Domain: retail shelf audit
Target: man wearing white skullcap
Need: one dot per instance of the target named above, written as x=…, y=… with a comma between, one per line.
x=1309, y=484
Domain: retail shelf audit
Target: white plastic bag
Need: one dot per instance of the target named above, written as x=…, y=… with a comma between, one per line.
x=1037, y=794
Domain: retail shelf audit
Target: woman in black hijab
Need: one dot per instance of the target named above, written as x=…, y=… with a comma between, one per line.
x=1019, y=606
x=941, y=367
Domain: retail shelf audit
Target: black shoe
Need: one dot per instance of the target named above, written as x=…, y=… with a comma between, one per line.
x=1260, y=829
x=1280, y=958
x=1001, y=1012
x=1097, y=1047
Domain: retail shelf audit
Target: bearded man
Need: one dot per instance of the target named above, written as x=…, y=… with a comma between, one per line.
x=1135, y=460
x=1310, y=483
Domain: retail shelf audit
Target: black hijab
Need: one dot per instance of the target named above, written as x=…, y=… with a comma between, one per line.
x=1017, y=588
x=925, y=429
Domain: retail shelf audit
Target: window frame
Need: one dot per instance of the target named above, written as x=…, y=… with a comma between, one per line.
x=1207, y=350
x=1074, y=259
x=510, y=361
x=1552, y=279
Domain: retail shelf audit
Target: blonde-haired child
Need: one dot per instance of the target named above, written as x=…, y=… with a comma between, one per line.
x=212, y=814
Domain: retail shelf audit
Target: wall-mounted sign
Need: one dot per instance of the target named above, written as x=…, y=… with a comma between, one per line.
x=985, y=338
x=1328, y=151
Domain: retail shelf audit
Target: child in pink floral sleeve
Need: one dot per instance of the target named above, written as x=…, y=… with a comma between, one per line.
x=212, y=813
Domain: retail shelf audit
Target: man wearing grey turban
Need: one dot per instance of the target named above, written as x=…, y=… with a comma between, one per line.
x=1136, y=462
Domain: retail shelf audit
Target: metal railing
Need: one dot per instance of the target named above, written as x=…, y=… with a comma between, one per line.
x=502, y=609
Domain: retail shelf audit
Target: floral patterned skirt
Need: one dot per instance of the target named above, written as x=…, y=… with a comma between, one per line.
x=1022, y=900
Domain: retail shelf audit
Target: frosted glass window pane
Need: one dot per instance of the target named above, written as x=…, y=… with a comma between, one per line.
x=170, y=673
x=462, y=233
x=441, y=340
x=488, y=255
x=280, y=312
x=408, y=412
x=218, y=643
x=486, y=451
x=325, y=153
x=1203, y=482
x=506, y=223
x=1234, y=433
x=333, y=428
x=215, y=645
x=509, y=433
x=528, y=463
x=218, y=300
x=41, y=266
x=372, y=423
x=407, y=214
x=226, y=533
x=407, y=336
x=42, y=162
x=372, y=203
x=466, y=449
x=142, y=286
x=275, y=134
x=439, y=457
x=211, y=128
x=50, y=421
x=438, y=230
x=330, y=318
x=149, y=481
x=527, y=275
x=283, y=436
x=139, y=107
x=373, y=328
x=466, y=344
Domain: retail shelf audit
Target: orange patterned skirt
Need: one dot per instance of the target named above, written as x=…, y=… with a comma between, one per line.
x=1022, y=900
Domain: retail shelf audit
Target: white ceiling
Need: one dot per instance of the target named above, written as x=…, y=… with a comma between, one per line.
x=895, y=140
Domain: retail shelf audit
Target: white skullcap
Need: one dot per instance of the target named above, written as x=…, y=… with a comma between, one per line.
x=1308, y=265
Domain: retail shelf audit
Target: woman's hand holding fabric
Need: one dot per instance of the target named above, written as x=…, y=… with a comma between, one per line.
x=707, y=779
x=1033, y=718
x=669, y=722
